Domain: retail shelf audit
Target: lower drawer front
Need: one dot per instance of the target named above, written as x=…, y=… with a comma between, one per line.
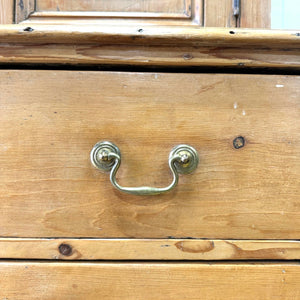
x=33, y=280
x=245, y=128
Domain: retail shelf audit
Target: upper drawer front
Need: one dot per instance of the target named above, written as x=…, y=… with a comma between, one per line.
x=50, y=120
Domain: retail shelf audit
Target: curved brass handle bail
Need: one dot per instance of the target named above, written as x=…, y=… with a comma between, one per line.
x=107, y=157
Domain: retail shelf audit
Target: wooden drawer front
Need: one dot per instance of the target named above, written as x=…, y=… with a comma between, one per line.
x=31, y=280
x=50, y=121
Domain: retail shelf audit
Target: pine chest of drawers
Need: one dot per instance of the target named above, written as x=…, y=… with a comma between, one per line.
x=228, y=229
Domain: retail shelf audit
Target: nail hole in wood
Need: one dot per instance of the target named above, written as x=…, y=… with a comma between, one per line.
x=28, y=29
x=187, y=56
x=231, y=32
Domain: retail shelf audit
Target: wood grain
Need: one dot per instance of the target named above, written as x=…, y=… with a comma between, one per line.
x=147, y=249
x=34, y=280
x=237, y=57
x=23, y=9
x=50, y=121
x=112, y=18
x=218, y=13
x=6, y=11
x=162, y=6
x=255, y=14
x=155, y=46
x=150, y=36
x=115, y=19
x=116, y=12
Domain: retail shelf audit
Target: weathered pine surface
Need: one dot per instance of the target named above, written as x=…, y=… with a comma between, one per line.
x=149, y=46
x=69, y=54
x=35, y=280
x=150, y=36
x=50, y=121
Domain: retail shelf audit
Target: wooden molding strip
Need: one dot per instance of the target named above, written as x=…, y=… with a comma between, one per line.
x=152, y=46
x=147, y=249
x=99, y=14
x=75, y=280
x=91, y=54
x=149, y=35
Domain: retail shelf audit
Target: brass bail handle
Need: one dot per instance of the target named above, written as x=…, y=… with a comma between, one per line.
x=106, y=156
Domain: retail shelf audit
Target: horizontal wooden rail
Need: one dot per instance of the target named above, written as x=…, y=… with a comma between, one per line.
x=149, y=46
x=148, y=35
x=147, y=249
x=74, y=280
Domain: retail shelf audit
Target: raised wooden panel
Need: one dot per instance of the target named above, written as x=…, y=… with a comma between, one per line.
x=50, y=121
x=177, y=7
x=117, y=12
x=155, y=281
x=217, y=13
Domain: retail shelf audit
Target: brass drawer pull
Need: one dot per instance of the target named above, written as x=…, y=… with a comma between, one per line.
x=107, y=157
